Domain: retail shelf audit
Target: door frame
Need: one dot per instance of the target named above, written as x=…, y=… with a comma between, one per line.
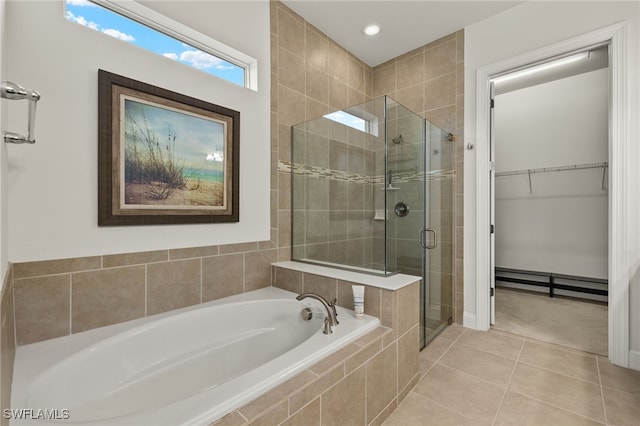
x=618, y=147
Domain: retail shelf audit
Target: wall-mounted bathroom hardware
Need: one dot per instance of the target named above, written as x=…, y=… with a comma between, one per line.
x=451, y=137
x=423, y=239
x=398, y=139
x=13, y=91
x=470, y=146
x=401, y=209
x=306, y=314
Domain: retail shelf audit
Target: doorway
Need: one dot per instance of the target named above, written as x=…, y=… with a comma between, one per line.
x=549, y=141
x=620, y=212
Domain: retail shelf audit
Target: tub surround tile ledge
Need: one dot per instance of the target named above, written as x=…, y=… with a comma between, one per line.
x=394, y=282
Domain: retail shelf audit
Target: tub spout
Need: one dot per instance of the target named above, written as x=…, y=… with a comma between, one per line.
x=331, y=319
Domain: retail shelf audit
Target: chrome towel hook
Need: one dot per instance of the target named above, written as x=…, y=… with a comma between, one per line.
x=13, y=91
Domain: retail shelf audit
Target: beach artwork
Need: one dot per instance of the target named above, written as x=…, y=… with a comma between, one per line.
x=164, y=157
x=172, y=158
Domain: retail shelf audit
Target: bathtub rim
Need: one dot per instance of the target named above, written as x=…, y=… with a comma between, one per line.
x=34, y=359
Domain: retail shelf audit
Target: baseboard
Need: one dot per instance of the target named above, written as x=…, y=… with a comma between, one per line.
x=469, y=320
x=634, y=360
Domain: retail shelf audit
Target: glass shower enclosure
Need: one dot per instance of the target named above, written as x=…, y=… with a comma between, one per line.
x=372, y=191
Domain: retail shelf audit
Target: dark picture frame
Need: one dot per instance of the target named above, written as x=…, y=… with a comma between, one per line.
x=163, y=157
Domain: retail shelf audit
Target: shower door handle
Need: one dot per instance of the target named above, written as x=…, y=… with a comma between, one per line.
x=423, y=239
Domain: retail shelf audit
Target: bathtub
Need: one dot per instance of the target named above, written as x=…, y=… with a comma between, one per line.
x=186, y=367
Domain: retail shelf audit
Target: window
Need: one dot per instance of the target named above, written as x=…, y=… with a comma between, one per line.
x=143, y=27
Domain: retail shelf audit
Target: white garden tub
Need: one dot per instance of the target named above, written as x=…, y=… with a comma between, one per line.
x=187, y=367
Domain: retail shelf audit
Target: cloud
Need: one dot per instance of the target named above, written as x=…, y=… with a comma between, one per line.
x=80, y=3
x=118, y=34
x=170, y=56
x=202, y=60
x=82, y=21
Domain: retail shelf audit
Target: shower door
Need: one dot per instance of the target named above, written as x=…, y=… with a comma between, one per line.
x=437, y=291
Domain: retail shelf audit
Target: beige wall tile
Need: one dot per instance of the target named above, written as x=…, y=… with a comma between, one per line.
x=284, y=230
x=338, y=63
x=106, y=297
x=259, y=405
x=363, y=355
x=440, y=92
x=309, y=415
x=126, y=259
x=193, y=252
x=222, y=276
x=344, y=404
x=238, y=248
x=290, y=106
x=290, y=30
x=356, y=73
x=408, y=357
x=317, y=48
x=411, y=71
x=440, y=59
x=288, y=279
x=7, y=343
x=42, y=308
x=315, y=388
x=381, y=382
x=317, y=84
x=232, y=419
x=338, y=94
x=173, y=285
x=324, y=286
x=384, y=80
x=291, y=70
x=257, y=269
x=273, y=416
x=408, y=309
x=52, y=267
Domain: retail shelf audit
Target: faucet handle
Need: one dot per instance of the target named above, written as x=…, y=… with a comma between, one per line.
x=332, y=305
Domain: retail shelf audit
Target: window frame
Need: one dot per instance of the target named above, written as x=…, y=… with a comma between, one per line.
x=171, y=28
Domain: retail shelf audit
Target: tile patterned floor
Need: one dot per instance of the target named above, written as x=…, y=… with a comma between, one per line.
x=494, y=378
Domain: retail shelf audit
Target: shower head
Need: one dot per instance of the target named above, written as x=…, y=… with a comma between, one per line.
x=398, y=140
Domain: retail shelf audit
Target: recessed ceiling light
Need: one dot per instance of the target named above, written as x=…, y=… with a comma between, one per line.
x=371, y=29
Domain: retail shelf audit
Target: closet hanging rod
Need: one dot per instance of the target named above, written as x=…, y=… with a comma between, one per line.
x=553, y=169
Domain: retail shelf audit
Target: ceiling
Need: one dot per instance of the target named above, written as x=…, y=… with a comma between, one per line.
x=406, y=25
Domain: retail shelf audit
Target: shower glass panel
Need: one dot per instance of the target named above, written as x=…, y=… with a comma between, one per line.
x=372, y=191
x=338, y=172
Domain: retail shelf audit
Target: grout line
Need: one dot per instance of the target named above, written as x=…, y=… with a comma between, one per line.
x=506, y=389
x=557, y=407
x=559, y=373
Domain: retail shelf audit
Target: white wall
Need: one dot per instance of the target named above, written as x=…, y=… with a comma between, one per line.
x=3, y=154
x=521, y=29
x=561, y=226
x=52, y=185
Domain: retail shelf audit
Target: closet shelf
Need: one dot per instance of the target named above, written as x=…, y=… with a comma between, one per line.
x=553, y=169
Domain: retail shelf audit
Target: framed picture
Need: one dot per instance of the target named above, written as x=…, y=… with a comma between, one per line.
x=163, y=157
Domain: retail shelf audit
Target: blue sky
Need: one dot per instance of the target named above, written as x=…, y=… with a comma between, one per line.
x=127, y=30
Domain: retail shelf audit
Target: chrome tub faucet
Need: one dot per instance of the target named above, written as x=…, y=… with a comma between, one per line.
x=331, y=319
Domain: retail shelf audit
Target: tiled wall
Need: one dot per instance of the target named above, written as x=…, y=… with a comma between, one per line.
x=7, y=344
x=311, y=75
x=430, y=81
x=59, y=297
x=359, y=385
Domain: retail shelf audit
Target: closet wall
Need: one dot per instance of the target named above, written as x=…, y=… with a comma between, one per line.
x=559, y=224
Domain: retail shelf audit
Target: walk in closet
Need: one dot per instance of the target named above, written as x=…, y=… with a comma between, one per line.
x=551, y=208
